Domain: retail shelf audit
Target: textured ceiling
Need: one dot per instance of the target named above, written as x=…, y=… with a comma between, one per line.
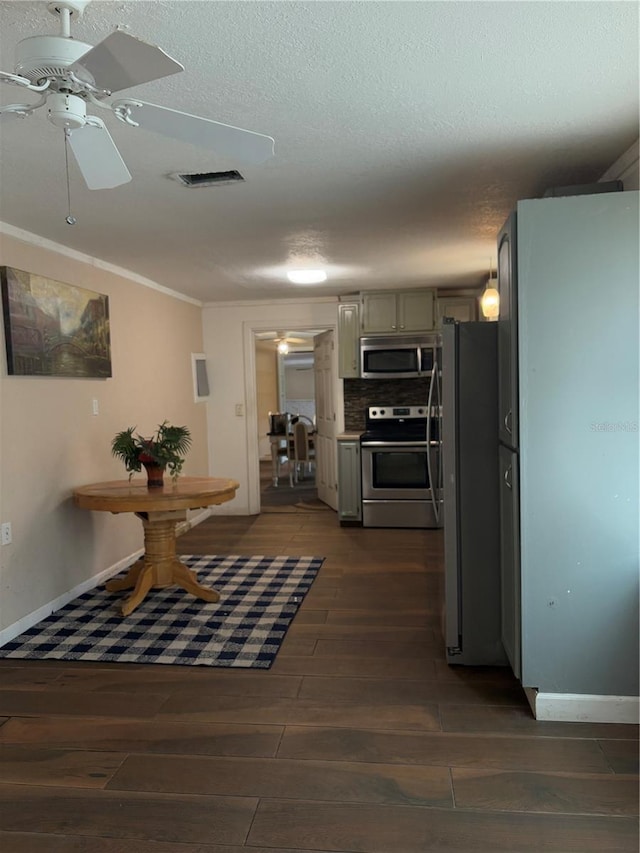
x=404, y=134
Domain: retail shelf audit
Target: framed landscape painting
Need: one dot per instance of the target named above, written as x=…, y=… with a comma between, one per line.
x=54, y=329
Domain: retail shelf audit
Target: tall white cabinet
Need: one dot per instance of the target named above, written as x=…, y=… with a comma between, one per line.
x=568, y=351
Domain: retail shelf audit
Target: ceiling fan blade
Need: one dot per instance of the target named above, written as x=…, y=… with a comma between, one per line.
x=98, y=158
x=121, y=61
x=224, y=139
x=10, y=114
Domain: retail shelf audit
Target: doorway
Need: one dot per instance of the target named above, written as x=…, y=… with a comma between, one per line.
x=285, y=383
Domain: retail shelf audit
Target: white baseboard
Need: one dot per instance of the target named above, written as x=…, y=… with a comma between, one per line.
x=41, y=613
x=586, y=708
x=183, y=526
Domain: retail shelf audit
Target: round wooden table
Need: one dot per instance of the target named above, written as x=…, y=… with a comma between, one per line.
x=160, y=510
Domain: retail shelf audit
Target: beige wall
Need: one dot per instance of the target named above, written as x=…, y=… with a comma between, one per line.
x=51, y=442
x=266, y=392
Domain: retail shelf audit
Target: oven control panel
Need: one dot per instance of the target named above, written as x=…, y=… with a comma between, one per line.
x=396, y=413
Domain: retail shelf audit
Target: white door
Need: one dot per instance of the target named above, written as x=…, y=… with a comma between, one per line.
x=325, y=367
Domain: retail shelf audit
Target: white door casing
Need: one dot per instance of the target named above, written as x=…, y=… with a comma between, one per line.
x=326, y=371
x=293, y=320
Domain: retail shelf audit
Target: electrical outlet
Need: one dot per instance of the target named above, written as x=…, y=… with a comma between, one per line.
x=239, y=410
x=6, y=533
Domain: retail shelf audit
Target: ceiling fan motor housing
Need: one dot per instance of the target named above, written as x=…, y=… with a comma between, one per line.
x=40, y=57
x=67, y=111
x=75, y=7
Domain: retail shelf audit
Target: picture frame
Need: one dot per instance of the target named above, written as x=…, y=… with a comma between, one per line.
x=54, y=329
x=201, y=390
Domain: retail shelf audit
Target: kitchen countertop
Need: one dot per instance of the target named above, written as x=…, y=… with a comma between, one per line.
x=348, y=436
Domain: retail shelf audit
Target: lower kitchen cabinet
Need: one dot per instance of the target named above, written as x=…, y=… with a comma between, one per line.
x=510, y=557
x=349, y=481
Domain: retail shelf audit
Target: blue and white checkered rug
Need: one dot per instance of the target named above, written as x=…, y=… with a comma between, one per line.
x=259, y=596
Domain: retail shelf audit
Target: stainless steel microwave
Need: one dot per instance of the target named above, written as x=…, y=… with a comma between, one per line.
x=398, y=356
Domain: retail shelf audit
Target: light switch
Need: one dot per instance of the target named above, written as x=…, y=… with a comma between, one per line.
x=95, y=408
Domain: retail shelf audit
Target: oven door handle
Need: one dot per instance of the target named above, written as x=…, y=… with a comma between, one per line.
x=432, y=485
x=399, y=445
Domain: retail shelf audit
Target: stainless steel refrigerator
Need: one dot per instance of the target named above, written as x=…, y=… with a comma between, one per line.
x=470, y=494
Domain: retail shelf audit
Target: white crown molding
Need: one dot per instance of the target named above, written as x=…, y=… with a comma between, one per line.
x=52, y=246
x=626, y=166
x=299, y=300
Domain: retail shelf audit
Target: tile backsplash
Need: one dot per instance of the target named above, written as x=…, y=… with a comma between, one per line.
x=359, y=394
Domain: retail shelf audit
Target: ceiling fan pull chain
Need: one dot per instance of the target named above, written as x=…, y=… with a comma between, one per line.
x=70, y=218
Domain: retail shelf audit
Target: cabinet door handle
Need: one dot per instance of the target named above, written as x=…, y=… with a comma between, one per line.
x=393, y=327
x=507, y=478
x=402, y=327
x=507, y=422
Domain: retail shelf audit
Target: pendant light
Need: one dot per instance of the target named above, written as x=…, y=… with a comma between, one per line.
x=490, y=300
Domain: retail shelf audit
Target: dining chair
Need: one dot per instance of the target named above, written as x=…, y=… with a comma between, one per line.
x=304, y=453
x=284, y=455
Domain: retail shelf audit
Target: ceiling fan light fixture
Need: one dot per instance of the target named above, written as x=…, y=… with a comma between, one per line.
x=283, y=347
x=306, y=276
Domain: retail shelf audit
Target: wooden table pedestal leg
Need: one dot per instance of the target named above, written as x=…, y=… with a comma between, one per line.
x=128, y=581
x=160, y=566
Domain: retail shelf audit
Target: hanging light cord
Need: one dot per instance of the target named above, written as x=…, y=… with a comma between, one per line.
x=70, y=219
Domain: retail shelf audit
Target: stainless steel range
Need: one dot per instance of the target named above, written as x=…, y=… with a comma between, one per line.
x=401, y=466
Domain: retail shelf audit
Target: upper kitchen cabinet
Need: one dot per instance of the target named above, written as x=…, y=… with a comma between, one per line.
x=397, y=311
x=349, y=339
x=464, y=309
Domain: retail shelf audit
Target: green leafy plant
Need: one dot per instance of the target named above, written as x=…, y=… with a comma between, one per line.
x=167, y=448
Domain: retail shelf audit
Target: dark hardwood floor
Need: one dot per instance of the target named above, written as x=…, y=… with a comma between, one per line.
x=359, y=738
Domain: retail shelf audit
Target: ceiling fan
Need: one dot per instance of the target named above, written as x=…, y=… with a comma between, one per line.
x=285, y=337
x=70, y=75
x=282, y=340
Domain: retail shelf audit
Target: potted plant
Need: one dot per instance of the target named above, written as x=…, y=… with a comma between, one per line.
x=166, y=448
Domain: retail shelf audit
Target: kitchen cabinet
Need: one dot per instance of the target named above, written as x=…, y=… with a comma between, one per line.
x=510, y=556
x=464, y=309
x=349, y=481
x=568, y=400
x=349, y=339
x=397, y=311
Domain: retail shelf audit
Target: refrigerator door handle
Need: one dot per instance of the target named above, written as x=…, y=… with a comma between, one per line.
x=440, y=445
x=507, y=421
x=507, y=477
x=429, y=468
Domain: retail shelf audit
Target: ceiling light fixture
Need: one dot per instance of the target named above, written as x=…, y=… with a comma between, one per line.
x=283, y=347
x=306, y=276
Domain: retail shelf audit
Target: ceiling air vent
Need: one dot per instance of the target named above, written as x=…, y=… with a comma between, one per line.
x=207, y=179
